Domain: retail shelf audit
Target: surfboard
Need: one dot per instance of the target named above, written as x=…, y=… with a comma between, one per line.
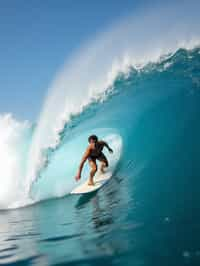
x=101, y=179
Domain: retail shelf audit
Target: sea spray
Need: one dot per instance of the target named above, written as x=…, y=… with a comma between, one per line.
x=14, y=141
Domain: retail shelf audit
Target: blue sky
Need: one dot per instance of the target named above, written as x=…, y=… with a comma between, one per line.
x=36, y=37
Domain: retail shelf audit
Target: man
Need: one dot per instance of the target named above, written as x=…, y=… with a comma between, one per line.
x=93, y=153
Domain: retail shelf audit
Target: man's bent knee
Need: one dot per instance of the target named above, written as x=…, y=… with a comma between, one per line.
x=94, y=169
x=105, y=163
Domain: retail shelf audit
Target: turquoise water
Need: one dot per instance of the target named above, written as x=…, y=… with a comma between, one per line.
x=149, y=212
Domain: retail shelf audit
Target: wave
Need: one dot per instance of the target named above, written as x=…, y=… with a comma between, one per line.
x=91, y=77
x=90, y=73
x=56, y=176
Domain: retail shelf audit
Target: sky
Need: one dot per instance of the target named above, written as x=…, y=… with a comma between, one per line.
x=37, y=37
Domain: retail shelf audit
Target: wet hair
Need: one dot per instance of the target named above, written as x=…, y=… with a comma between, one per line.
x=93, y=137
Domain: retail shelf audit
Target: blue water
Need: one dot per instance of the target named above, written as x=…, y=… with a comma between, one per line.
x=149, y=213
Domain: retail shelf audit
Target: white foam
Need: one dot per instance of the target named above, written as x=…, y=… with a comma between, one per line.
x=11, y=171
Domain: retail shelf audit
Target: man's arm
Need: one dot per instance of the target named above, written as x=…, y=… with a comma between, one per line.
x=107, y=146
x=85, y=157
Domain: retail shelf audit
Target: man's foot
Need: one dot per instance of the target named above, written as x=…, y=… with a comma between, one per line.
x=103, y=167
x=91, y=183
x=102, y=171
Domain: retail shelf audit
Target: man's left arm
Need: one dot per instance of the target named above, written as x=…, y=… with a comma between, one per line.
x=107, y=146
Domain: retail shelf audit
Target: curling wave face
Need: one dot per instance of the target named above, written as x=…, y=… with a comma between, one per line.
x=146, y=108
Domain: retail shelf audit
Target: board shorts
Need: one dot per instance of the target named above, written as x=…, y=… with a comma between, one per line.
x=101, y=157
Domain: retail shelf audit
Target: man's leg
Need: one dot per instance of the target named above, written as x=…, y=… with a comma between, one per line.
x=104, y=163
x=93, y=171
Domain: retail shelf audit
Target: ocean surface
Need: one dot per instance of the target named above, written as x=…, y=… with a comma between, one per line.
x=148, y=214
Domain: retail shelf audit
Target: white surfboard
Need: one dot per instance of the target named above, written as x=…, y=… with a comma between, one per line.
x=101, y=179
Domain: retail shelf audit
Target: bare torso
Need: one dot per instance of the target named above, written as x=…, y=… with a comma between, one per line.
x=96, y=151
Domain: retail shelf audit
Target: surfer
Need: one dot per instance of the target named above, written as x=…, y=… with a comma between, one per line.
x=93, y=153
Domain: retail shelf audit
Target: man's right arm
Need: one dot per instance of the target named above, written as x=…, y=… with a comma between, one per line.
x=85, y=157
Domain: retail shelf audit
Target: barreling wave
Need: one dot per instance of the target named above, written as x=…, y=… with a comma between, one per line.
x=90, y=73
x=56, y=175
x=92, y=94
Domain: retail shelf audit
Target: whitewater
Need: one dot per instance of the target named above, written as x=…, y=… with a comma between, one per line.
x=39, y=161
